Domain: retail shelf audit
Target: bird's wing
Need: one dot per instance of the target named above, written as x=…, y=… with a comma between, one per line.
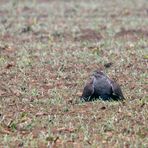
x=88, y=90
x=116, y=89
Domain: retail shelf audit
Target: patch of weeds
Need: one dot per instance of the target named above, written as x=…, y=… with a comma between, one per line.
x=108, y=126
x=145, y=56
x=66, y=109
x=48, y=136
x=73, y=136
x=143, y=101
x=57, y=34
x=23, y=86
x=13, y=126
x=27, y=140
x=23, y=115
x=29, y=126
x=142, y=133
x=24, y=59
x=96, y=51
x=2, y=60
x=80, y=101
x=56, y=97
x=34, y=92
x=51, y=119
x=6, y=140
x=55, y=100
x=86, y=133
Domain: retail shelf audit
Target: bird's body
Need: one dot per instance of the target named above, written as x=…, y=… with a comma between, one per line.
x=102, y=87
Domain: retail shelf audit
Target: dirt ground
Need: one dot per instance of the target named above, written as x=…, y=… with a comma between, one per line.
x=48, y=50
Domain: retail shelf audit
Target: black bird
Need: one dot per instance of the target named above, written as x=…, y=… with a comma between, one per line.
x=101, y=86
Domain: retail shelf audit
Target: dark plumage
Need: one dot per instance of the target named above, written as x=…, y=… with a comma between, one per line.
x=101, y=86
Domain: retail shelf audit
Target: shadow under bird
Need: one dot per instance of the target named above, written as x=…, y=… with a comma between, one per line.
x=101, y=86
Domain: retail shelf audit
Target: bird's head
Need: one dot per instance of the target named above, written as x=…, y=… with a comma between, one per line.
x=98, y=73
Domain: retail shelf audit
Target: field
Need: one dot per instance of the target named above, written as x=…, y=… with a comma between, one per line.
x=48, y=50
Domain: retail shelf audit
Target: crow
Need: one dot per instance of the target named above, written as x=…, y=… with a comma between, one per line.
x=101, y=86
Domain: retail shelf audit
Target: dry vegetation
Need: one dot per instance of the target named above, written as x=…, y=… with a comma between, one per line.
x=48, y=48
